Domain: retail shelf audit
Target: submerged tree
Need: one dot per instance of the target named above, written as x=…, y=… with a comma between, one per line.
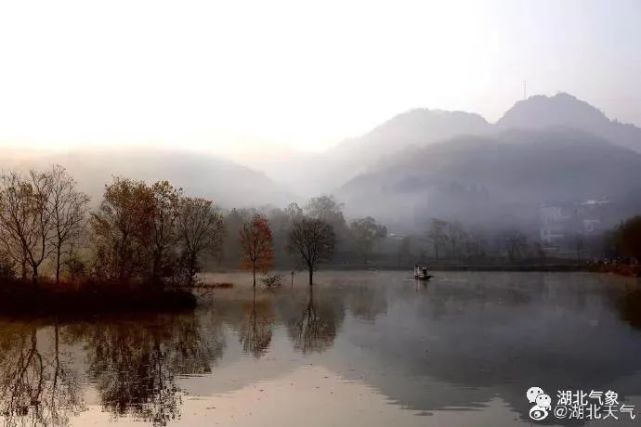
x=313, y=242
x=256, y=244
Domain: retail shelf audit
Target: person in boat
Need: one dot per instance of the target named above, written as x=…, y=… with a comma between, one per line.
x=417, y=270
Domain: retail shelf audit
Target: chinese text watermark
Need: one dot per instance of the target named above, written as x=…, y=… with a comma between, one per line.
x=578, y=405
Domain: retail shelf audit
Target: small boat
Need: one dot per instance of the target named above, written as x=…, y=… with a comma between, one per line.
x=420, y=273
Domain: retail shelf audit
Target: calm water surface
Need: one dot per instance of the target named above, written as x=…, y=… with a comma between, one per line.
x=361, y=349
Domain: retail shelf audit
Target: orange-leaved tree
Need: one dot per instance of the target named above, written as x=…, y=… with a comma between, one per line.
x=256, y=245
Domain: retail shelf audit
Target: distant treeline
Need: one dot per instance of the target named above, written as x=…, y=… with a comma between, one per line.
x=155, y=235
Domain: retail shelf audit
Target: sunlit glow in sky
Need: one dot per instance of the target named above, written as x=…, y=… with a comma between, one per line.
x=234, y=76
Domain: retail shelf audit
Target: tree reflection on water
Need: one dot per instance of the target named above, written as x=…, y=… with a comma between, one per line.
x=469, y=340
x=255, y=332
x=314, y=329
x=134, y=366
x=38, y=385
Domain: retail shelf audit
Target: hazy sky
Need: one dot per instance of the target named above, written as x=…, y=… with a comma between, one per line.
x=240, y=75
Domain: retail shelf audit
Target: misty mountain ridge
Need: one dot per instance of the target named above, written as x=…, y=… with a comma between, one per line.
x=540, y=112
x=230, y=185
x=327, y=171
x=419, y=164
x=419, y=127
x=497, y=180
x=323, y=172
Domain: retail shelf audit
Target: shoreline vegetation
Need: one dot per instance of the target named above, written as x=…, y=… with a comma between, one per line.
x=140, y=249
x=143, y=245
x=18, y=298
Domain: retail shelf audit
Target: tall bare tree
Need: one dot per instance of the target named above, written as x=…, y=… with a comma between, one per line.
x=14, y=227
x=200, y=226
x=25, y=219
x=42, y=221
x=257, y=246
x=313, y=241
x=68, y=209
x=166, y=199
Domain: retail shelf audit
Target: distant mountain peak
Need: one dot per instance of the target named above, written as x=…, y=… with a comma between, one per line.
x=565, y=110
x=562, y=109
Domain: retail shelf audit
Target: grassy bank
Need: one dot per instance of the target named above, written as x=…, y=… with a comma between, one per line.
x=23, y=298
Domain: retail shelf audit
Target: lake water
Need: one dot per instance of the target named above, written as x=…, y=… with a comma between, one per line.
x=361, y=349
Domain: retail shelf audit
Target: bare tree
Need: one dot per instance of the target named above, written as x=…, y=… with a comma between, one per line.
x=166, y=201
x=25, y=219
x=313, y=240
x=256, y=244
x=68, y=209
x=14, y=227
x=201, y=229
x=41, y=191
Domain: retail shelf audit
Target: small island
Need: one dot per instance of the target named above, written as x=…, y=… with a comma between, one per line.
x=139, y=249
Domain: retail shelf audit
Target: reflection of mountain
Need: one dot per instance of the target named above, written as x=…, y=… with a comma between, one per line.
x=459, y=345
x=461, y=342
